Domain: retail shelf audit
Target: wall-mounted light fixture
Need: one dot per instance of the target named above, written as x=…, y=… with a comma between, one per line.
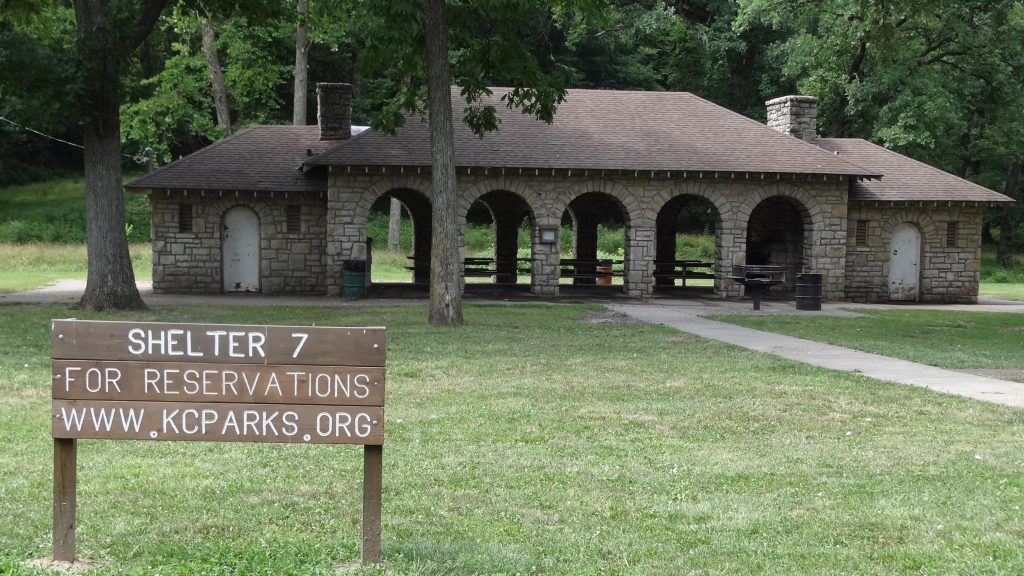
x=548, y=235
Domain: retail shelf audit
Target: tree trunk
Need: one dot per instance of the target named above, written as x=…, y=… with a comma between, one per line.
x=445, y=285
x=111, y=280
x=1008, y=213
x=301, y=66
x=395, y=225
x=217, y=86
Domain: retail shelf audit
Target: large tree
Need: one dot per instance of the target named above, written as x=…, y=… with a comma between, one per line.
x=416, y=51
x=108, y=32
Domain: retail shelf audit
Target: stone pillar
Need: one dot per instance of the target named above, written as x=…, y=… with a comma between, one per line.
x=731, y=251
x=506, y=247
x=794, y=115
x=343, y=234
x=638, y=274
x=665, y=245
x=545, y=276
x=586, y=246
x=422, y=241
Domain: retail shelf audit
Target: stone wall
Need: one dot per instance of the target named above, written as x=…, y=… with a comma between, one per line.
x=823, y=202
x=191, y=261
x=948, y=273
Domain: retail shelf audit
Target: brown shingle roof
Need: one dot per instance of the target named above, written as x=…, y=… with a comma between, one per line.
x=604, y=129
x=905, y=179
x=260, y=158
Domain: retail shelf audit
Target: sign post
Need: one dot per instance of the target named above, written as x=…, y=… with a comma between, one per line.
x=219, y=383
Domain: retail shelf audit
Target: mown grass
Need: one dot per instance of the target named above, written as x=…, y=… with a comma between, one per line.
x=530, y=442
x=1001, y=290
x=947, y=339
x=28, y=266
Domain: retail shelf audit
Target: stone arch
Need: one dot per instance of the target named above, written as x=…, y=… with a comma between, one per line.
x=794, y=192
x=667, y=265
x=628, y=201
x=780, y=232
x=418, y=206
x=507, y=210
x=589, y=209
x=919, y=218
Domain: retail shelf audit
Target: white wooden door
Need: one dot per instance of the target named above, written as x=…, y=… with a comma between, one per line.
x=904, y=263
x=241, y=250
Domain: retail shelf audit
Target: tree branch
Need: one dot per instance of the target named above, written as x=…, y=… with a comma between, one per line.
x=150, y=15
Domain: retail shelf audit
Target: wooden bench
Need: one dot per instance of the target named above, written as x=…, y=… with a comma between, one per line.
x=684, y=270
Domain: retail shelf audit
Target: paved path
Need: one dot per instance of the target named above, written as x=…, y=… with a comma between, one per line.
x=686, y=315
x=689, y=318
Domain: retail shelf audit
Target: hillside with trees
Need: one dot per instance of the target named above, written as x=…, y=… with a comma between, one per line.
x=938, y=81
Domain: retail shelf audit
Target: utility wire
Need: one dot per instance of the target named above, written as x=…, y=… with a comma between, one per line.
x=139, y=160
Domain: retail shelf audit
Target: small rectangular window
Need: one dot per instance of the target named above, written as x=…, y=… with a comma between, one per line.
x=294, y=219
x=952, y=234
x=861, y=234
x=184, y=217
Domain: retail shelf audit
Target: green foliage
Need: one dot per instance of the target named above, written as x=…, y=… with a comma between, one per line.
x=54, y=212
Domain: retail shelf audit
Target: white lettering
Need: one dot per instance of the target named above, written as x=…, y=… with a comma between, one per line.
x=68, y=379
x=250, y=418
x=234, y=344
x=323, y=424
x=363, y=424
x=150, y=377
x=216, y=340
x=290, y=423
x=138, y=345
x=256, y=340
x=301, y=336
x=209, y=418
x=230, y=422
x=362, y=390
x=133, y=420
x=72, y=418
x=188, y=345
x=168, y=420
x=172, y=342
x=104, y=420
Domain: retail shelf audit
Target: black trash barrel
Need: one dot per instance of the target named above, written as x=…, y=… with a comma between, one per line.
x=353, y=277
x=808, y=291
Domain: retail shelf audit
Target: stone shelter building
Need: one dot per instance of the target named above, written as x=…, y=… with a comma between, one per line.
x=280, y=208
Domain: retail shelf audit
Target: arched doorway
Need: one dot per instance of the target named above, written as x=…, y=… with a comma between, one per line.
x=904, y=263
x=599, y=249
x=776, y=236
x=240, y=250
x=686, y=246
x=497, y=239
x=411, y=262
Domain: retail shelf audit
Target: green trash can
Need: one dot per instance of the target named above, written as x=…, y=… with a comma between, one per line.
x=353, y=279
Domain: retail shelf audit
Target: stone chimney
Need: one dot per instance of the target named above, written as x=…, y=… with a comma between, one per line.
x=794, y=115
x=334, y=110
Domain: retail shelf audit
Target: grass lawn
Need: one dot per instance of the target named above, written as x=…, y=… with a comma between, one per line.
x=28, y=266
x=531, y=442
x=940, y=338
x=1002, y=291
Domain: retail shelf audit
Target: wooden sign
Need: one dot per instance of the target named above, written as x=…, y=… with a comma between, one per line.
x=213, y=382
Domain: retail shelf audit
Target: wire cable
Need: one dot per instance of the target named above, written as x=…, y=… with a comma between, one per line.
x=136, y=159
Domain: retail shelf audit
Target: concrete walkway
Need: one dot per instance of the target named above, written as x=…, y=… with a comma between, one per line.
x=689, y=318
x=687, y=315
